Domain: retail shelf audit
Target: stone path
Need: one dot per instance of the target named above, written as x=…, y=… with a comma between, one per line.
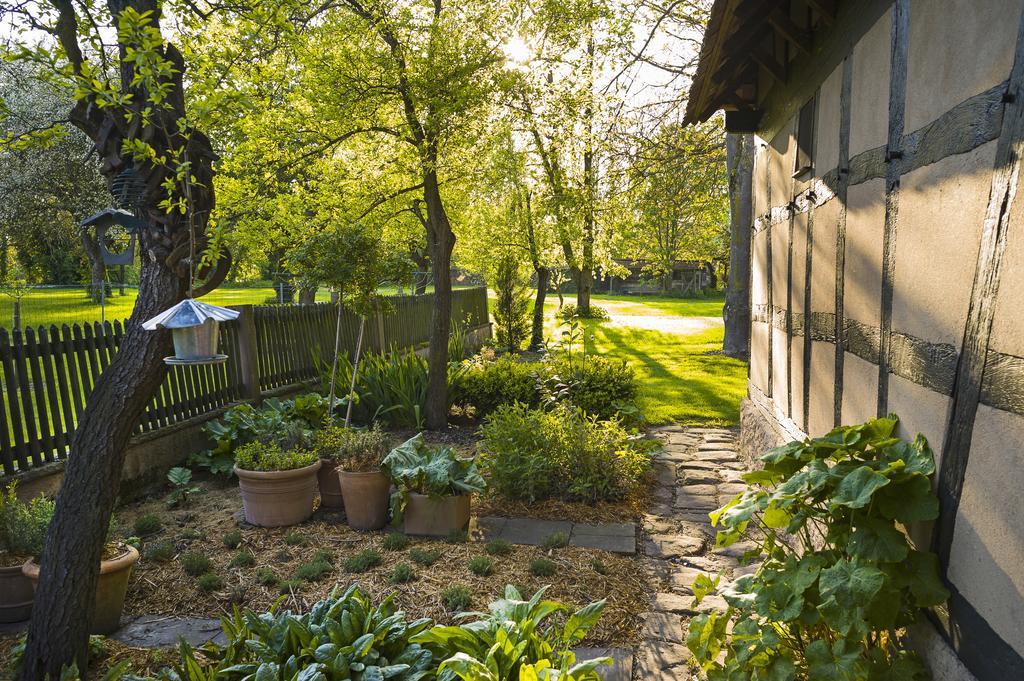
x=614, y=537
x=698, y=471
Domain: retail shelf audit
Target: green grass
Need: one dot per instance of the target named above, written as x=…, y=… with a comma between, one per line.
x=681, y=376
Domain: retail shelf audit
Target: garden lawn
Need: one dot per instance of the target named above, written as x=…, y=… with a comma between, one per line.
x=674, y=345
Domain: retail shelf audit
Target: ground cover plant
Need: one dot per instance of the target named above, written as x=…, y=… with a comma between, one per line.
x=839, y=579
x=533, y=454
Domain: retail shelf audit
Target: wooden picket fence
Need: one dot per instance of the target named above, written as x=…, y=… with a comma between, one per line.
x=47, y=373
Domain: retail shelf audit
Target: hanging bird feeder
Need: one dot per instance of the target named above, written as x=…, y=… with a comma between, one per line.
x=195, y=327
x=115, y=235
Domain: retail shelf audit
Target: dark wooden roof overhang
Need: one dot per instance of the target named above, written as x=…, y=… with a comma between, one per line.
x=741, y=50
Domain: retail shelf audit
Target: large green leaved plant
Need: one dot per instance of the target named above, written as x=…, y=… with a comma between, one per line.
x=23, y=525
x=839, y=577
x=414, y=466
x=517, y=640
x=341, y=637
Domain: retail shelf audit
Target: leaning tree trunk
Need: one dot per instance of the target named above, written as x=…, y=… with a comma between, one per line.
x=97, y=270
x=537, y=332
x=307, y=295
x=736, y=311
x=442, y=242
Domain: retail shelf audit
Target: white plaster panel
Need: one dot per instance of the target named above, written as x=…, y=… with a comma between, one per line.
x=796, y=382
x=759, y=355
x=760, y=177
x=987, y=555
x=759, y=269
x=1008, y=323
x=860, y=390
x=921, y=411
x=780, y=372
x=780, y=263
x=823, y=388
x=869, y=90
x=826, y=132
x=823, y=257
x=799, y=261
x=941, y=213
x=956, y=49
x=865, y=227
x=781, y=155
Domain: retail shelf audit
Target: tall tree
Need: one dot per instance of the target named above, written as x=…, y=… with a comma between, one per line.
x=131, y=104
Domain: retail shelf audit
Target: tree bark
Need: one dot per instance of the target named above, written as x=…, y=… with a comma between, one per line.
x=307, y=295
x=441, y=240
x=537, y=331
x=736, y=311
x=97, y=270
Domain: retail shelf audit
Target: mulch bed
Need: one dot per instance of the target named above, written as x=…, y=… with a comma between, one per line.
x=163, y=588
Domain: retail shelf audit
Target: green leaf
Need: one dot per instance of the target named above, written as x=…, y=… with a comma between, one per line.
x=851, y=584
x=925, y=584
x=909, y=501
x=836, y=663
x=877, y=539
x=856, y=489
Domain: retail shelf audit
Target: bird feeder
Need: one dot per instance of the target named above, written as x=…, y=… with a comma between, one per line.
x=103, y=222
x=195, y=327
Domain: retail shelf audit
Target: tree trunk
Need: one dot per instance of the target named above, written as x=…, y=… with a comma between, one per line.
x=736, y=312
x=97, y=270
x=307, y=295
x=441, y=241
x=65, y=596
x=537, y=333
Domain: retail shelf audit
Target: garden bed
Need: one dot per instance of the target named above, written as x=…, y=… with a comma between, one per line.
x=164, y=588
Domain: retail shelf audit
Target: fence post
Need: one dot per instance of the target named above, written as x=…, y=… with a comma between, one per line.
x=248, y=360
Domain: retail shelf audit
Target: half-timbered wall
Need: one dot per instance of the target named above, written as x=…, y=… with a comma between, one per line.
x=891, y=280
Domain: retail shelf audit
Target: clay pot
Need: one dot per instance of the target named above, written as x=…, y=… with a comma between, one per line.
x=110, y=589
x=16, y=595
x=435, y=516
x=277, y=498
x=366, y=499
x=330, y=486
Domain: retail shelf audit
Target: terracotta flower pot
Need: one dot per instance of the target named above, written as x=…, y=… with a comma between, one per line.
x=435, y=516
x=110, y=589
x=16, y=594
x=366, y=499
x=277, y=498
x=330, y=486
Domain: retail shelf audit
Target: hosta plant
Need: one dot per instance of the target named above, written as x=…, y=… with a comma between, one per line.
x=341, y=637
x=415, y=466
x=839, y=578
x=517, y=640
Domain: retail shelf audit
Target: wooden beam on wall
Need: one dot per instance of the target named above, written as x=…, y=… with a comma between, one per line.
x=826, y=9
x=798, y=37
x=776, y=70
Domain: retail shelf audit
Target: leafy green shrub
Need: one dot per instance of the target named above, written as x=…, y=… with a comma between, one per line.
x=402, y=574
x=242, y=559
x=488, y=385
x=266, y=576
x=435, y=471
x=289, y=586
x=328, y=643
x=396, y=541
x=313, y=570
x=481, y=566
x=160, y=552
x=283, y=421
x=457, y=597
x=556, y=540
x=181, y=482
x=425, y=557
x=532, y=454
x=601, y=387
x=232, y=540
x=23, y=525
x=512, y=302
x=366, y=559
x=517, y=640
x=195, y=563
x=257, y=456
x=209, y=582
x=569, y=310
x=356, y=450
x=147, y=524
x=543, y=567
x=838, y=578
x=498, y=547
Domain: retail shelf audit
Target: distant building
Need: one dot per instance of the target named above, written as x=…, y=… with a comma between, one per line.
x=688, y=277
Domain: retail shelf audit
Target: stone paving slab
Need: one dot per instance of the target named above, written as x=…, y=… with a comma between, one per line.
x=662, y=661
x=622, y=662
x=613, y=537
x=155, y=631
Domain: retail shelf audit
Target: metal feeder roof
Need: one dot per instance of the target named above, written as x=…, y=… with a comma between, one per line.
x=112, y=216
x=188, y=313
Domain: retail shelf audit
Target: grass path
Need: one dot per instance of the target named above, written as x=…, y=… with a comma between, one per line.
x=674, y=346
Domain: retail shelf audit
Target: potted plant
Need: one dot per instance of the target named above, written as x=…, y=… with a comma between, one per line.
x=363, y=485
x=111, y=586
x=278, y=484
x=22, y=531
x=433, y=485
